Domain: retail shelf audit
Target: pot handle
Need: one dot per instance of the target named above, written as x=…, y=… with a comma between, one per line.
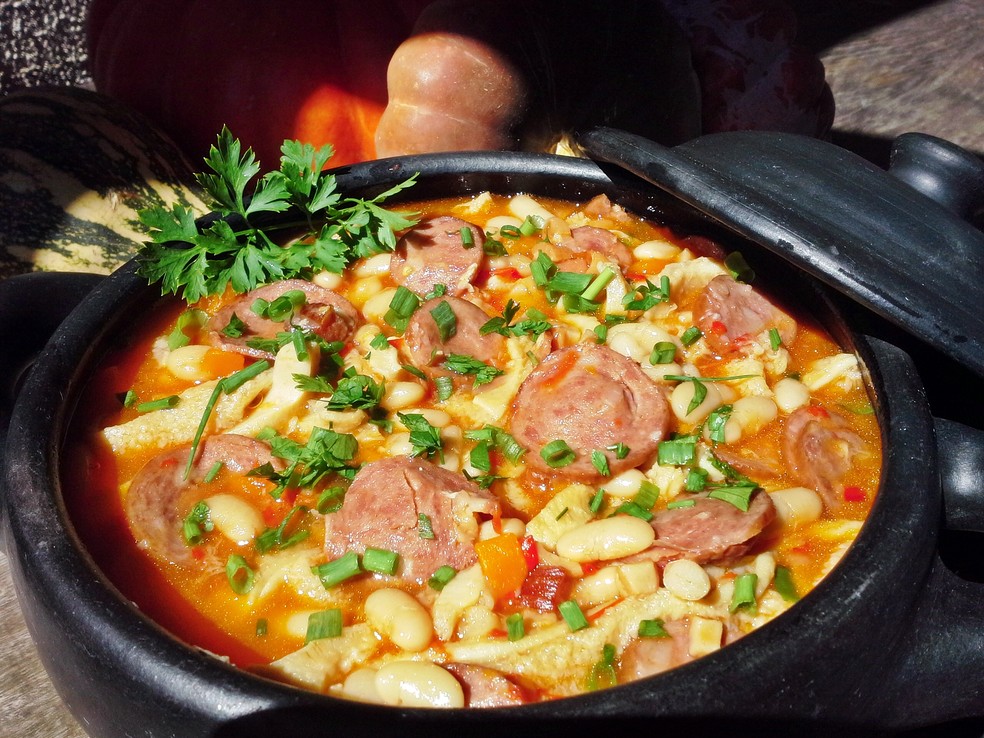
x=32, y=306
x=961, y=458
x=943, y=171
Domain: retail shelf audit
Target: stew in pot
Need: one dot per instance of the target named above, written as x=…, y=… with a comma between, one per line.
x=541, y=448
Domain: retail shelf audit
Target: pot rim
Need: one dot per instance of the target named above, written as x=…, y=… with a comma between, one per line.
x=56, y=574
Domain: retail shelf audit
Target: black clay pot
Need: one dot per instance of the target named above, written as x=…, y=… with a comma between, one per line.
x=892, y=639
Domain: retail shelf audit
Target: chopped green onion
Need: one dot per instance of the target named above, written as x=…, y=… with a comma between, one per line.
x=647, y=495
x=424, y=527
x=380, y=560
x=440, y=578
x=515, y=627
x=446, y=320
x=411, y=369
x=164, y=403
x=193, y=318
x=677, y=451
x=492, y=247
x=444, y=386
x=663, y=353
x=600, y=462
x=438, y=290
x=569, y=282
x=300, y=348
x=403, y=305
x=738, y=495
x=261, y=627
x=744, y=592
x=601, y=333
x=649, y=295
x=557, y=454
x=467, y=237
x=619, y=449
x=197, y=523
x=738, y=267
x=700, y=393
x=239, y=575
x=603, y=673
x=633, y=508
x=597, y=500
x=281, y=309
x=652, y=629
x=717, y=422
x=571, y=612
x=273, y=538
x=531, y=225
x=691, y=335
x=577, y=304
x=784, y=584
x=510, y=231
x=129, y=399
x=379, y=342
x=542, y=269
x=605, y=276
x=562, y=513
x=775, y=340
x=680, y=503
x=333, y=573
x=330, y=500
x=324, y=624
x=696, y=480
x=213, y=472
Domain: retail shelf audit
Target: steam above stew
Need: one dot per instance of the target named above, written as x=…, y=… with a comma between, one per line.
x=539, y=449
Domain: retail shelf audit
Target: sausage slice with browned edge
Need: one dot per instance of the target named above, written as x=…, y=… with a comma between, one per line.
x=428, y=349
x=324, y=312
x=392, y=502
x=444, y=250
x=159, y=497
x=593, y=399
x=729, y=312
x=819, y=446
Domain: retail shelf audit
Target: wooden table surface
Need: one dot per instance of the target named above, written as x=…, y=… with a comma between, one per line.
x=890, y=72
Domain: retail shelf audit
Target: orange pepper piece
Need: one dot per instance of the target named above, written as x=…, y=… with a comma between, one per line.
x=503, y=563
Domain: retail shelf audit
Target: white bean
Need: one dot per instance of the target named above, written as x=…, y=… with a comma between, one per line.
x=360, y=685
x=418, y=684
x=399, y=617
x=507, y=525
x=797, y=506
x=557, y=230
x=656, y=250
x=765, y=569
x=234, y=518
x=188, y=362
x=606, y=539
x=375, y=303
x=791, y=394
x=686, y=579
x=328, y=280
x=626, y=484
x=598, y=588
x=523, y=206
x=437, y=418
x=683, y=394
x=375, y=266
x=753, y=413
x=401, y=395
x=398, y=444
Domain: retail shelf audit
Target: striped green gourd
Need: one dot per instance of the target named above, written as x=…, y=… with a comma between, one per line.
x=75, y=168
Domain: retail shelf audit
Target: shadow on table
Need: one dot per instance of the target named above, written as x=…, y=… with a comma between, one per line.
x=824, y=23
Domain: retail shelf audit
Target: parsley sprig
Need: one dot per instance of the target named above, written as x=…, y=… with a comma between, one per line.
x=196, y=258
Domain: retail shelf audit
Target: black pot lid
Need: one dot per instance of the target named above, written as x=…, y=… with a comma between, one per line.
x=875, y=237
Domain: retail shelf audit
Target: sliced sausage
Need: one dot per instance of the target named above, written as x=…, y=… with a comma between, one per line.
x=434, y=253
x=819, y=447
x=326, y=313
x=729, y=312
x=428, y=351
x=586, y=239
x=593, y=398
x=485, y=687
x=755, y=466
x=159, y=497
x=709, y=531
x=382, y=509
x=644, y=657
